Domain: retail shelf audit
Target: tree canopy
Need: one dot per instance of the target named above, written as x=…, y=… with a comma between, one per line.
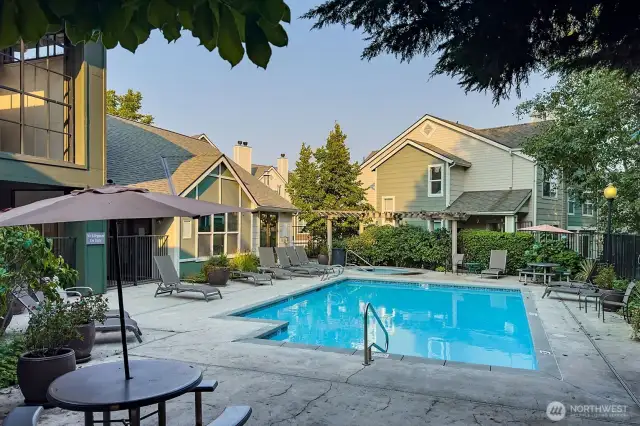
x=330, y=182
x=592, y=138
x=230, y=26
x=127, y=106
x=495, y=45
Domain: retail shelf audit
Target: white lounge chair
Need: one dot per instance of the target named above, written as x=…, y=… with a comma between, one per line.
x=497, y=264
x=171, y=281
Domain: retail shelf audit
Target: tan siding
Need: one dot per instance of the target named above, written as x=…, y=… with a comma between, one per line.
x=457, y=183
x=522, y=173
x=368, y=178
x=405, y=176
x=284, y=229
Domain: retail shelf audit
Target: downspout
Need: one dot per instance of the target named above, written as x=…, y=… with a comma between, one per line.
x=534, y=195
x=448, y=194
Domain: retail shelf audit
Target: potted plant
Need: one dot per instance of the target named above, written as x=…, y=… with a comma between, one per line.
x=217, y=271
x=50, y=329
x=245, y=262
x=84, y=314
x=323, y=255
x=610, y=286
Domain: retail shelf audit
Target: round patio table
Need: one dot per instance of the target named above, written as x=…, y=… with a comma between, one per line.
x=544, y=266
x=103, y=388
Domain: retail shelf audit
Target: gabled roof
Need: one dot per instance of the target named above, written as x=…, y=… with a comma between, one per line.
x=487, y=202
x=134, y=152
x=259, y=169
x=459, y=161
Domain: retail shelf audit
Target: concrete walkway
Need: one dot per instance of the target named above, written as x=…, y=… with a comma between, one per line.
x=287, y=385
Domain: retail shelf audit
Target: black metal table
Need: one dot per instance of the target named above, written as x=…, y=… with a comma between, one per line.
x=544, y=266
x=103, y=388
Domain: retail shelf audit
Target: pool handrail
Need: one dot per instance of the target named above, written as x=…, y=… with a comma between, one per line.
x=368, y=358
x=358, y=256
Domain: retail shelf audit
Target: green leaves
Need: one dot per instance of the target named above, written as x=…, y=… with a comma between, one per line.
x=231, y=26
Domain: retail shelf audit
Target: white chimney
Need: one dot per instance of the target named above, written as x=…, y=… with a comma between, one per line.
x=242, y=155
x=283, y=167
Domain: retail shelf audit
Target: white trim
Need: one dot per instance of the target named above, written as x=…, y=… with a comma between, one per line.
x=415, y=145
x=534, y=195
x=430, y=181
x=447, y=201
x=206, y=138
x=269, y=171
x=557, y=185
x=569, y=200
x=582, y=205
x=388, y=197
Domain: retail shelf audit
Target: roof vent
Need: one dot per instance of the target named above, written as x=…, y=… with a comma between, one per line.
x=239, y=142
x=427, y=130
x=282, y=155
x=245, y=143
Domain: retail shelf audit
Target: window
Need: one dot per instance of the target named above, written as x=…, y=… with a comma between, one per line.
x=35, y=99
x=550, y=185
x=437, y=224
x=279, y=189
x=388, y=205
x=268, y=229
x=267, y=179
x=571, y=207
x=435, y=181
x=587, y=208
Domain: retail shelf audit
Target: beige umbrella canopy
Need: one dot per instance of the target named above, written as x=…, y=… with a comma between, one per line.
x=111, y=202
x=546, y=228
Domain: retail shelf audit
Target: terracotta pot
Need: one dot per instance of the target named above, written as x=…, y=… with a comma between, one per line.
x=323, y=259
x=218, y=276
x=82, y=347
x=35, y=374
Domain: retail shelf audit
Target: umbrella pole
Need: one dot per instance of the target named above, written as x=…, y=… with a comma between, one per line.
x=123, y=332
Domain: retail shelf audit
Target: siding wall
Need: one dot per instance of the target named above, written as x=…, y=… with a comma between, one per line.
x=368, y=178
x=552, y=211
x=578, y=221
x=457, y=182
x=405, y=176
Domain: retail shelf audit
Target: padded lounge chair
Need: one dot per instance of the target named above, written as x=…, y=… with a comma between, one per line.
x=497, y=264
x=268, y=264
x=257, y=278
x=572, y=287
x=304, y=260
x=624, y=304
x=111, y=313
x=108, y=325
x=171, y=281
x=23, y=416
x=284, y=262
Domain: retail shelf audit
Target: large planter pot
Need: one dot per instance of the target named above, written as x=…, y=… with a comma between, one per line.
x=218, y=276
x=82, y=347
x=323, y=259
x=36, y=374
x=612, y=296
x=17, y=308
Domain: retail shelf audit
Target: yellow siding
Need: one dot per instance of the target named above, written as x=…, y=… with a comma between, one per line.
x=368, y=179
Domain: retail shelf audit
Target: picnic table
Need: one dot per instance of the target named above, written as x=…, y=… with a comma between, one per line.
x=545, y=269
x=103, y=388
x=473, y=267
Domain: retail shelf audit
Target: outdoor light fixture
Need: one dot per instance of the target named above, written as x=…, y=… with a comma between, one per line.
x=610, y=193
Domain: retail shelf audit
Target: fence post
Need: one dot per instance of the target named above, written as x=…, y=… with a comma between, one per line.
x=135, y=260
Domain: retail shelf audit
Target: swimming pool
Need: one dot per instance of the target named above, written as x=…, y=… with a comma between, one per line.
x=384, y=270
x=466, y=324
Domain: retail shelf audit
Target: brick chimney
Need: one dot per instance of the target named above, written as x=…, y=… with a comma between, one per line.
x=242, y=155
x=283, y=167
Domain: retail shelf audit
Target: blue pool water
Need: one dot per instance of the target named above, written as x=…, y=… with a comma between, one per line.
x=480, y=326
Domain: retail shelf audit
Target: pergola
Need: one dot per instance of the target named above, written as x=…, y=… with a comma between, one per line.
x=362, y=215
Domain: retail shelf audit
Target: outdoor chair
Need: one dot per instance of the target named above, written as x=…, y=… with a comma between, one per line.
x=295, y=261
x=304, y=261
x=23, y=416
x=526, y=273
x=284, y=262
x=64, y=294
x=170, y=281
x=572, y=287
x=257, y=278
x=231, y=416
x=497, y=264
x=268, y=264
x=457, y=260
x=110, y=324
x=624, y=304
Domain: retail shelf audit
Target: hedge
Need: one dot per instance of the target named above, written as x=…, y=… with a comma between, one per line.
x=406, y=245
x=477, y=245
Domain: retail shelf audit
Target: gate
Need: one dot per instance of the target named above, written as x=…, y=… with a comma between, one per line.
x=136, y=258
x=625, y=255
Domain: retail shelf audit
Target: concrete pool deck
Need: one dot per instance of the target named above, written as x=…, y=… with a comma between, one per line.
x=289, y=385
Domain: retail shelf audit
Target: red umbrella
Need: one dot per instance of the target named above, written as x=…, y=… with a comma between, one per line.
x=111, y=202
x=546, y=228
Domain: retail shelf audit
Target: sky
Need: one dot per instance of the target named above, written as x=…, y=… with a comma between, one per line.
x=316, y=80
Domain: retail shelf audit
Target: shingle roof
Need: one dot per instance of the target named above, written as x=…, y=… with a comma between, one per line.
x=459, y=161
x=490, y=201
x=371, y=154
x=512, y=136
x=133, y=158
x=259, y=169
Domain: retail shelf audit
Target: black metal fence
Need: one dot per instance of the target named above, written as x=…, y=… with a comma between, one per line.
x=136, y=258
x=625, y=255
x=65, y=247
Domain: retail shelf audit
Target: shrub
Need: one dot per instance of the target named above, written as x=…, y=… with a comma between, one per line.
x=585, y=269
x=50, y=328
x=477, y=245
x=620, y=284
x=406, y=245
x=88, y=309
x=215, y=262
x=605, y=277
x=554, y=251
x=634, y=314
x=10, y=350
x=246, y=262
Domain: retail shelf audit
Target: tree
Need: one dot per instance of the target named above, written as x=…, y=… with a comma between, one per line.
x=592, y=139
x=231, y=26
x=495, y=45
x=329, y=183
x=127, y=106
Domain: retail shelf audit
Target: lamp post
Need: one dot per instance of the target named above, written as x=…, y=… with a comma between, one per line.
x=610, y=193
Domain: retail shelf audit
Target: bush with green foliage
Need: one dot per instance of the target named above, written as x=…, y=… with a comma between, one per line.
x=477, y=245
x=88, y=309
x=554, y=251
x=50, y=328
x=246, y=262
x=11, y=347
x=605, y=277
x=406, y=245
x=620, y=284
x=634, y=316
x=585, y=269
x=214, y=262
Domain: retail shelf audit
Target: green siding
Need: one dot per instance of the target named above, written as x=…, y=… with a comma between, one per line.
x=91, y=261
x=577, y=220
x=405, y=176
x=189, y=268
x=551, y=211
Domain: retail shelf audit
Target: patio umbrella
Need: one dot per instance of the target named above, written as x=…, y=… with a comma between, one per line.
x=546, y=228
x=111, y=202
